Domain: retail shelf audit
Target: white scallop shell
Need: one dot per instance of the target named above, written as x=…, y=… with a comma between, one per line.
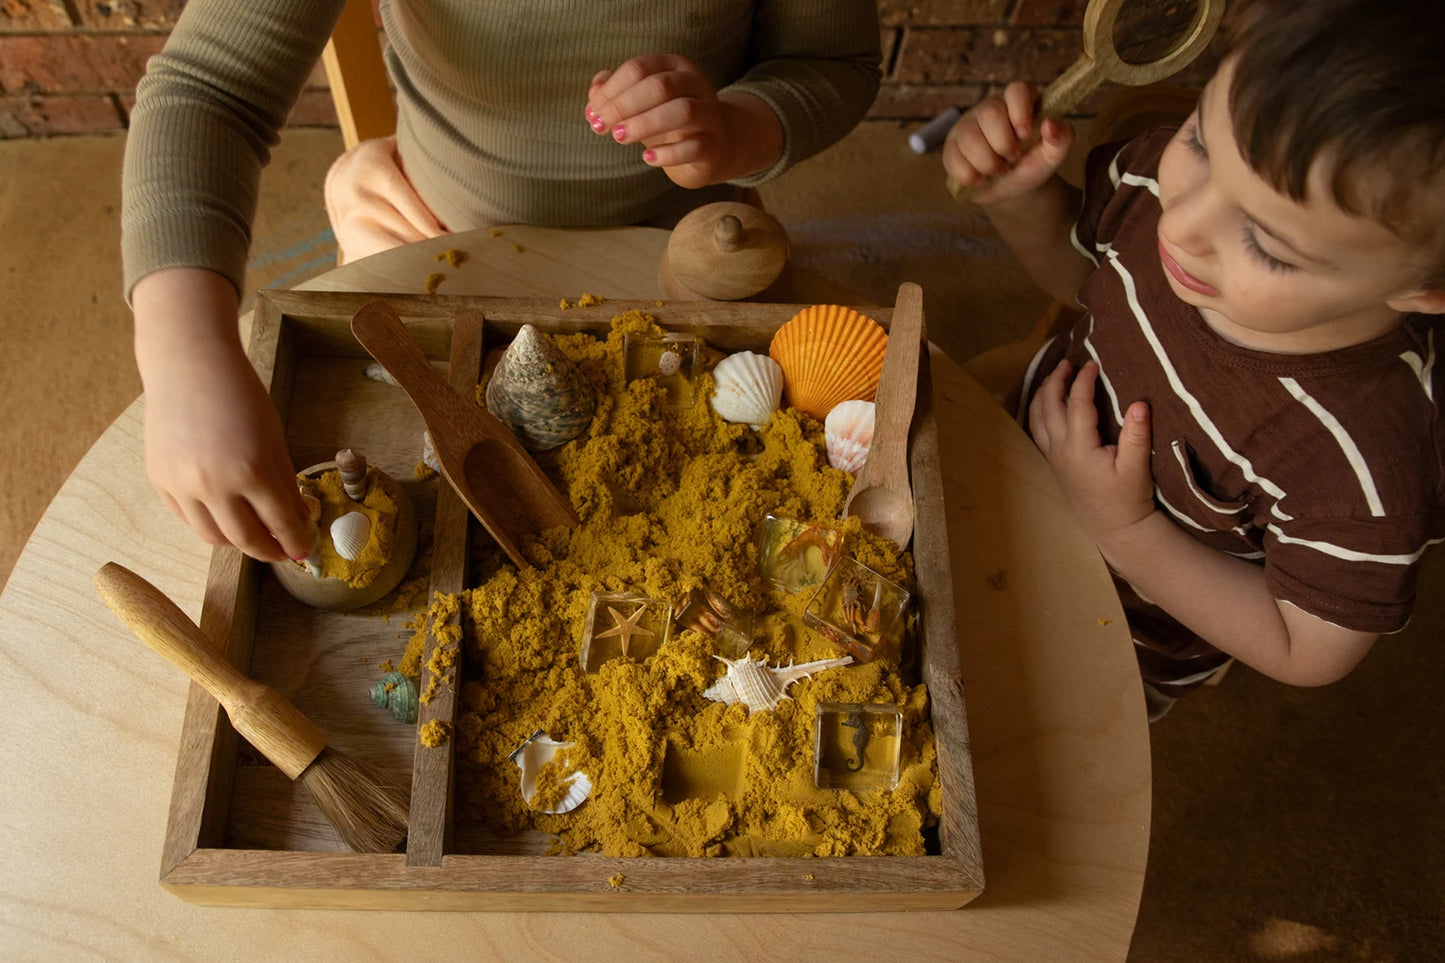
x=849, y=433
x=349, y=534
x=535, y=753
x=747, y=388
x=761, y=686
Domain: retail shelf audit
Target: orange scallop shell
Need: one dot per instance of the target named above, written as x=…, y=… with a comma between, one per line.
x=828, y=354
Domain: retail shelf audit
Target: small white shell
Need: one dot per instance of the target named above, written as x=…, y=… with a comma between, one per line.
x=849, y=433
x=747, y=388
x=669, y=363
x=349, y=534
x=535, y=753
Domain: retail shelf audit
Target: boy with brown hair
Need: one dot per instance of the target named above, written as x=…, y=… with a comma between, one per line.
x=1262, y=288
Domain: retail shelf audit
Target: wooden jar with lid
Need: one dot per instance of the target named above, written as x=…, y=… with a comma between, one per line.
x=725, y=251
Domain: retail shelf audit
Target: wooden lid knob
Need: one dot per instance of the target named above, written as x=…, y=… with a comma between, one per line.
x=727, y=250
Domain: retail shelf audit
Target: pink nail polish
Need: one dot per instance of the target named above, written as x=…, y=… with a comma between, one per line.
x=619, y=132
x=649, y=155
x=591, y=115
x=599, y=125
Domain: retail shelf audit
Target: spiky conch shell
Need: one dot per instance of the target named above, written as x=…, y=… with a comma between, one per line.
x=538, y=392
x=848, y=432
x=747, y=388
x=829, y=353
x=758, y=685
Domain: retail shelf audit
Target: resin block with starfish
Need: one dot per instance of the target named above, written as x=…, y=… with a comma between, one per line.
x=623, y=625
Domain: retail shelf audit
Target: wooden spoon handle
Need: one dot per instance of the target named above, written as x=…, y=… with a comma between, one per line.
x=264, y=716
x=897, y=392
x=379, y=330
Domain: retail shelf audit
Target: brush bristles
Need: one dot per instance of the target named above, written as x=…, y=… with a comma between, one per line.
x=369, y=813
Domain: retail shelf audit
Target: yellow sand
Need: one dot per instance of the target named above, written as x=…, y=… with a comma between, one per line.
x=669, y=500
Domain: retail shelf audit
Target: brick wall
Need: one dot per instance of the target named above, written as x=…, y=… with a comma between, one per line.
x=70, y=66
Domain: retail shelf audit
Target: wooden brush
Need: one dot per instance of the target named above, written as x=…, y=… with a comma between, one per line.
x=369, y=813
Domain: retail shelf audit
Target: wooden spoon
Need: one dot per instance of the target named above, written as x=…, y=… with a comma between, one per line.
x=479, y=456
x=881, y=495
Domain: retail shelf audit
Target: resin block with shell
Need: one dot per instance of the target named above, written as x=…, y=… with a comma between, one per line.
x=670, y=360
x=829, y=354
x=539, y=393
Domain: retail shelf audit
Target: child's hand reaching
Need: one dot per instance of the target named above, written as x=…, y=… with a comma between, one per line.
x=214, y=446
x=1109, y=487
x=989, y=148
x=698, y=137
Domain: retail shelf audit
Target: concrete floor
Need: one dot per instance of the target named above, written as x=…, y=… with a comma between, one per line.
x=1300, y=825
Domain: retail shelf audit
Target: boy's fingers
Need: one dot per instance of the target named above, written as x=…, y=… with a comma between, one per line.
x=1134, y=440
x=999, y=134
x=1019, y=98
x=1083, y=417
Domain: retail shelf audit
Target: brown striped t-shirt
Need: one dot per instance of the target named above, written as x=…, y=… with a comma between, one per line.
x=1325, y=469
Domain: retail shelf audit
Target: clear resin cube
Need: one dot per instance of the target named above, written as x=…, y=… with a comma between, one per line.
x=796, y=556
x=671, y=360
x=859, y=610
x=856, y=746
x=623, y=625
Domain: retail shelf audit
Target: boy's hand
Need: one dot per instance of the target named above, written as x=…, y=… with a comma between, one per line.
x=990, y=148
x=1109, y=487
x=371, y=203
x=666, y=103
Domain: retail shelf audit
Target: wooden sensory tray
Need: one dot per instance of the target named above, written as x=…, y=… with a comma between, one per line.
x=240, y=833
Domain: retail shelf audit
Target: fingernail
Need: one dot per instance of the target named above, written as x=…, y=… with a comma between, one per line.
x=298, y=558
x=619, y=132
x=591, y=115
x=649, y=156
x=599, y=125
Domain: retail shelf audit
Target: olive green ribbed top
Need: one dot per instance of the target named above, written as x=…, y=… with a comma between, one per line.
x=490, y=99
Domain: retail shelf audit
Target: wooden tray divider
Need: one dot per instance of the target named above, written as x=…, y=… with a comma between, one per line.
x=942, y=668
x=429, y=833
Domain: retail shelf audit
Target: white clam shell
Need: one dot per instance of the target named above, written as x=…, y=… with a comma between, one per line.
x=761, y=686
x=535, y=753
x=349, y=535
x=848, y=430
x=747, y=388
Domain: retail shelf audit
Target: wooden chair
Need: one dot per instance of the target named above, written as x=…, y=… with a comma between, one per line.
x=357, y=75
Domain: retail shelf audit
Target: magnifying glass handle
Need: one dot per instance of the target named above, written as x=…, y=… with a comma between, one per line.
x=1101, y=61
x=1058, y=98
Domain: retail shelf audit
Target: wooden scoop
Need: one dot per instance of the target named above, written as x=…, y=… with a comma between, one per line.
x=881, y=495
x=1100, y=61
x=479, y=456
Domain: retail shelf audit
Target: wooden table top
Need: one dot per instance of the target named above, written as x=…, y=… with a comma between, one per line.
x=1058, y=734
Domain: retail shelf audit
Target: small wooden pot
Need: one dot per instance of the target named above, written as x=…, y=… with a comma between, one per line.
x=335, y=595
x=725, y=251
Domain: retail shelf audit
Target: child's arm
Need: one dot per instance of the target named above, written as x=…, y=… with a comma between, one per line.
x=214, y=445
x=1031, y=207
x=1223, y=599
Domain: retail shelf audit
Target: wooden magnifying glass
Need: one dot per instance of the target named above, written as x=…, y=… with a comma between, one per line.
x=1101, y=62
